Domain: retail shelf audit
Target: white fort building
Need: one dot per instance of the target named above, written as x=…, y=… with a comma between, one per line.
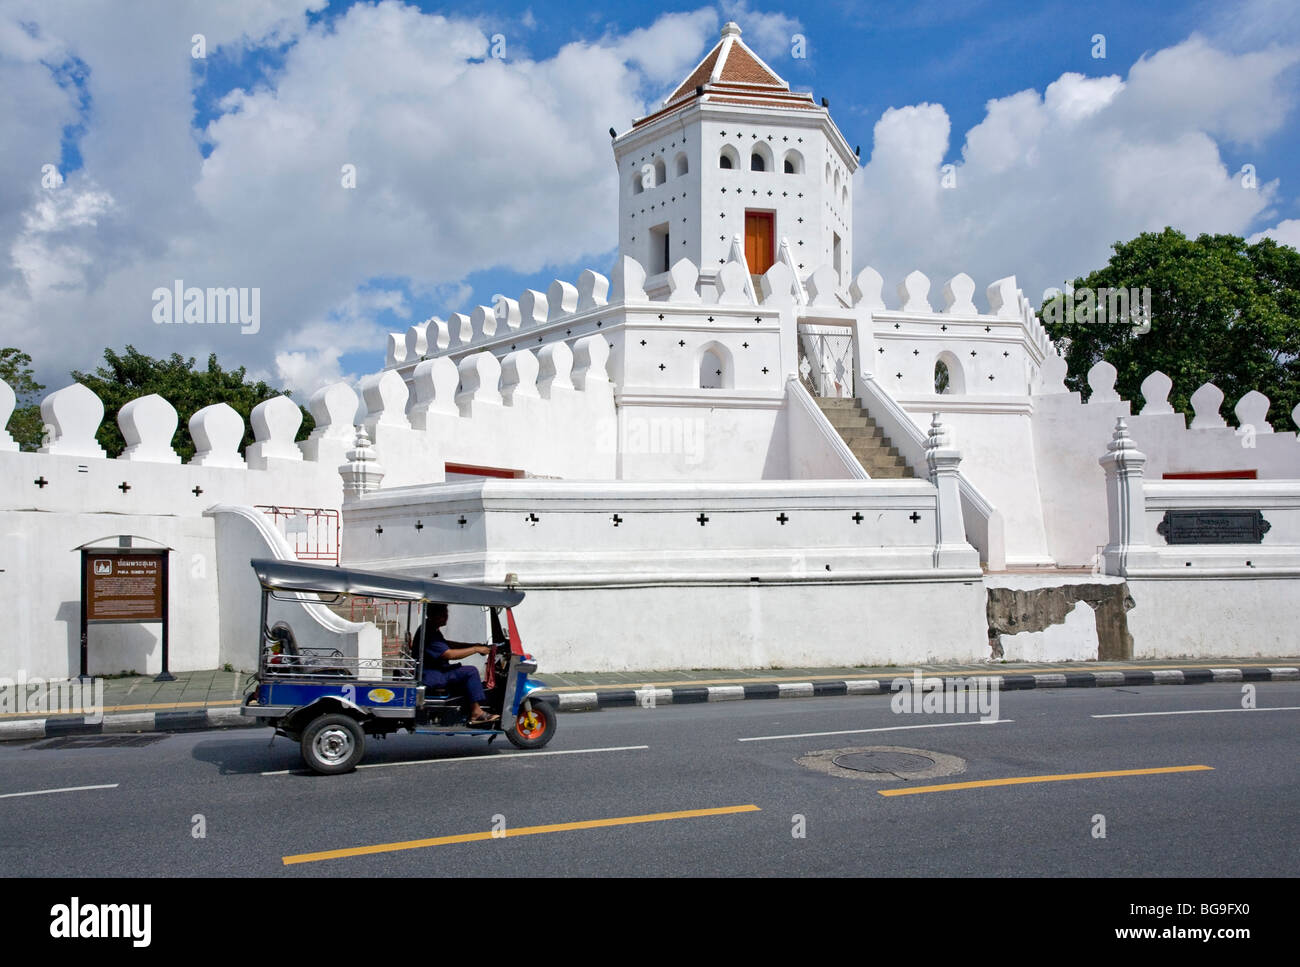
x=728, y=452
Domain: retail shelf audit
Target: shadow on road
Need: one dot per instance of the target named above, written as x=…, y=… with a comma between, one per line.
x=258, y=752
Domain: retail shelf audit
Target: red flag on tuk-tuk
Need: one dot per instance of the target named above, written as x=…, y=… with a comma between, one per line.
x=516, y=645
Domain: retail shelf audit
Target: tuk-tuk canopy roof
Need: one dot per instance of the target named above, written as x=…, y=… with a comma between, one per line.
x=324, y=579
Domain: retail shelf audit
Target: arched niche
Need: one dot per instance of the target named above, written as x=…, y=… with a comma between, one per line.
x=715, y=368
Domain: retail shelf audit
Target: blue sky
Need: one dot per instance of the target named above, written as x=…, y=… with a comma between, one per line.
x=479, y=175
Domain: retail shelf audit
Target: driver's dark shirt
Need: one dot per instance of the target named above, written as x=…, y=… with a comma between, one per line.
x=435, y=648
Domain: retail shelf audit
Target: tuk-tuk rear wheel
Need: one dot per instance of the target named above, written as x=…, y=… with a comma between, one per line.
x=534, y=726
x=333, y=743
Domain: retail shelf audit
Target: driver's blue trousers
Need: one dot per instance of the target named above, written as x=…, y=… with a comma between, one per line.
x=464, y=678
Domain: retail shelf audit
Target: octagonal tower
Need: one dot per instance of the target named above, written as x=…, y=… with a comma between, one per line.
x=734, y=152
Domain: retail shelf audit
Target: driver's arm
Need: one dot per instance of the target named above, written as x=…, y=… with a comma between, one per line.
x=462, y=650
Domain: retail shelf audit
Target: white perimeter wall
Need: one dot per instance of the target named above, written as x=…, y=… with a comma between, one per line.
x=1241, y=618
x=735, y=626
x=40, y=592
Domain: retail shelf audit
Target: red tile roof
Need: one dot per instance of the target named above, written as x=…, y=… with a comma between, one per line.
x=731, y=69
x=741, y=65
x=698, y=76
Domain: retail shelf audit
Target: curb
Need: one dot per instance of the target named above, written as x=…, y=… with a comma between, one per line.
x=602, y=698
x=187, y=721
x=595, y=700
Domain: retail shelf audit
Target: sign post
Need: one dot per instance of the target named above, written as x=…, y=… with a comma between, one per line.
x=124, y=586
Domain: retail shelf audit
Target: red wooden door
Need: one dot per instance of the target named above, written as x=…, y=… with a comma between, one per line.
x=760, y=235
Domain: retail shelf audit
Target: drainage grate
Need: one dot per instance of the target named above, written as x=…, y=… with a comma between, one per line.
x=100, y=741
x=882, y=763
x=894, y=763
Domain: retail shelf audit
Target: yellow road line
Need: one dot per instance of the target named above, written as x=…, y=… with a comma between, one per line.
x=1025, y=780
x=521, y=831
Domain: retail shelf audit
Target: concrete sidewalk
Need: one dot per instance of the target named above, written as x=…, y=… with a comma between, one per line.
x=211, y=699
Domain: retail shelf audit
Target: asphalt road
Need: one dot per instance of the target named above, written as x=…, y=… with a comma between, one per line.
x=714, y=789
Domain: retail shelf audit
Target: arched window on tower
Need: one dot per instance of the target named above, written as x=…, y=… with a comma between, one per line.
x=941, y=378
x=728, y=158
x=661, y=171
x=793, y=163
x=949, y=377
x=681, y=164
x=760, y=159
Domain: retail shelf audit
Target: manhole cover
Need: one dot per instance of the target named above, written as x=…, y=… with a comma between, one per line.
x=899, y=763
x=882, y=763
x=99, y=741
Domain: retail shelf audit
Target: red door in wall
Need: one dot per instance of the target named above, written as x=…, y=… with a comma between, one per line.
x=760, y=241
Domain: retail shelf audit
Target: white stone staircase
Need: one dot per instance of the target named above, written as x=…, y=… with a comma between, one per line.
x=878, y=456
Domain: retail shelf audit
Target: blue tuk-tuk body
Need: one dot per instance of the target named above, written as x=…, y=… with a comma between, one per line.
x=329, y=702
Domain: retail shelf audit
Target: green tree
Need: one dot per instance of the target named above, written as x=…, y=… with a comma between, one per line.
x=1222, y=311
x=132, y=374
x=25, y=424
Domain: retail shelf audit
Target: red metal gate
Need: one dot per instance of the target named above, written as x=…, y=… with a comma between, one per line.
x=313, y=531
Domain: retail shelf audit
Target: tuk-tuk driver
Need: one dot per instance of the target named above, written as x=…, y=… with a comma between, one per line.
x=439, y=653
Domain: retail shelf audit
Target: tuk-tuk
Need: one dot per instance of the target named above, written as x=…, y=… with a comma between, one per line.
x=329, y=702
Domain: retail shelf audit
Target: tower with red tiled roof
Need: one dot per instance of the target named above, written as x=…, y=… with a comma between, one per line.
x=732, y=154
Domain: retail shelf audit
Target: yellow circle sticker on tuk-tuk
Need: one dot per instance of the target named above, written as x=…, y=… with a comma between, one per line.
x=380, y=695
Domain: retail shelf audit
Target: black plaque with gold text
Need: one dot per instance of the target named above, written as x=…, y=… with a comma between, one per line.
x=1213, y=527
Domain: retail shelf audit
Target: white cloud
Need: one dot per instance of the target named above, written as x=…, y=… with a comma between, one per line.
x=349, y=327
x=768, y=33
x=1235, y=96
x=1252, y=24
x=45, y=253
x=1286, y=232
x=464, y=162
x=454, y=301
x=1073, y=97
x=669, y=47
x=1047, y=183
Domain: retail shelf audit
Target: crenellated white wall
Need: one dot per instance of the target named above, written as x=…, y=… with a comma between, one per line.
x=548, y=414
x=996, y=355
x=72, y=474
x=71, y=494
x=698, y=387
x=1068, y=434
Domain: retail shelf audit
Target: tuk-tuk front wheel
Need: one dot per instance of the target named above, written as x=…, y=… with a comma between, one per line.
x=534, y=726
x=333, y=743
